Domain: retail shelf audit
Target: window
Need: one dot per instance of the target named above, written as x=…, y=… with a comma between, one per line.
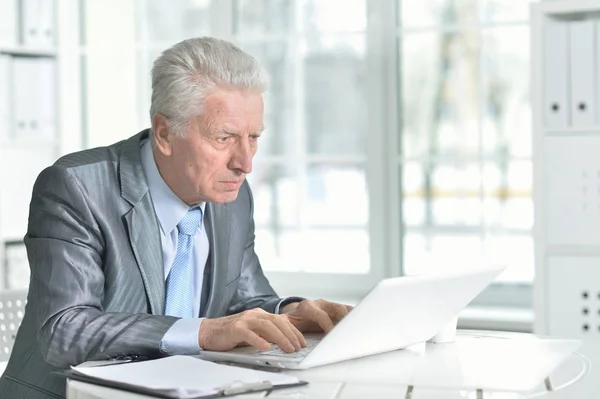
x=398, y=134
x=465, y=151
x=309, y=178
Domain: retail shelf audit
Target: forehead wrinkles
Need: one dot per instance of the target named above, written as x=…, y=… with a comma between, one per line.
x=233, y=112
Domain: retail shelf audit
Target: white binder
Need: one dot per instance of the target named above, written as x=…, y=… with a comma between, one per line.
x=582, y=72
x=556, y=73
x=9, y=12
x=5, y=98
x=597, y=70
x=46, y=98
x=34, y=98
x=23, y=97
x=37, y=23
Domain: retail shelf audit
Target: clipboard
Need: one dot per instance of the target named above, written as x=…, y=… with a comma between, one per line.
x=262, y=381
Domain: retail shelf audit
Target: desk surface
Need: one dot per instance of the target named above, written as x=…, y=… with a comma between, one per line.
x=329, y=383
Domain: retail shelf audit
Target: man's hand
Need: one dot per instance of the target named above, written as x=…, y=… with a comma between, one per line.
x=252, y=327
x=315, y=316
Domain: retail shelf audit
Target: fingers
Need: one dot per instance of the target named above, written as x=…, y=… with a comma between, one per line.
x=253, y=339
x=288, y=329
x=253, y=327
x=268, y=330
x=299, y=335
x=336, y=311
x=296, y=332
x=321, y=317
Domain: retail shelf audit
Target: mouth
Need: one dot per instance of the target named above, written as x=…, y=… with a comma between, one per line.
x=232, y=184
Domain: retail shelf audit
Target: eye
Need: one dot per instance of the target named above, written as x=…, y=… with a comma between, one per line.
x=255, y=136
x=223, y=139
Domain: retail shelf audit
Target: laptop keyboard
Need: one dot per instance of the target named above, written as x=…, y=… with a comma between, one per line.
x=302, y=353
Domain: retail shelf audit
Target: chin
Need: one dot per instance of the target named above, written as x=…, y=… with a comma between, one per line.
x=226, y=197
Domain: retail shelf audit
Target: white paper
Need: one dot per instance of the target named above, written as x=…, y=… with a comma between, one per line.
x=186, y=375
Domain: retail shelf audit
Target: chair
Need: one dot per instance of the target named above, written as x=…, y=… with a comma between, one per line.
x=12, y=309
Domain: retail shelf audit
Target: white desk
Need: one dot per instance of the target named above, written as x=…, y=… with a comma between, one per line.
x=330, y=382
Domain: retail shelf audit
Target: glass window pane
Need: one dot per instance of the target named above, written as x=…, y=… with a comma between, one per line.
x=422, y=13
x=145, y=60
x=344, y=251
x=514, y=251
x=507, y=194
x=414, y=204
x=505, y=10
x=438, y=252
x=335, y=107
x=456, y=195
x=275, y=191
x=507, y=113
x=334, y=15
x=336, y=196
x=261, y=17
x=174, y=20
x=110, y=87
x=440, y=94
x=279, y=138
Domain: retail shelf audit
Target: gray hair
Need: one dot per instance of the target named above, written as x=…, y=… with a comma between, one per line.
x=183, y=75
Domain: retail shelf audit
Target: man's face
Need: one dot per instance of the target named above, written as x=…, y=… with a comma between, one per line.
x=211, y=161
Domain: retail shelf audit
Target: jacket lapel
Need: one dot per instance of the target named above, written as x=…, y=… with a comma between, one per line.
x=141, y=222
x=218, y=235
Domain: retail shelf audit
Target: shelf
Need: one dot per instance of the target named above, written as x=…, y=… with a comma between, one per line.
x=572, y=250
x=584, y=130
x=569, y=7
x=15, y=144
x=29, y=52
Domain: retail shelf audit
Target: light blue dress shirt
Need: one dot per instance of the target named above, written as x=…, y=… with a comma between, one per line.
x=182, y=337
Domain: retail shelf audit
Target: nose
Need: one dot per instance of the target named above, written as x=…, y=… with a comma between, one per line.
x=241, y=159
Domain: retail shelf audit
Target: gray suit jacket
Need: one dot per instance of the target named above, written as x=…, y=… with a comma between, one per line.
x=97, y=288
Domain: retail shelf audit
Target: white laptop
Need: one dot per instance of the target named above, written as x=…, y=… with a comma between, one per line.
x=396, y=313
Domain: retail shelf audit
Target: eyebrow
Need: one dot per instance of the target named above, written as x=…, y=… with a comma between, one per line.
x=236, y=133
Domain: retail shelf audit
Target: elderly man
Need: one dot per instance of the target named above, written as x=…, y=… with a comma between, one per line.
x=146, y=247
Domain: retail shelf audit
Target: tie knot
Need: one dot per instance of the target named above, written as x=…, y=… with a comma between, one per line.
x=190, y=222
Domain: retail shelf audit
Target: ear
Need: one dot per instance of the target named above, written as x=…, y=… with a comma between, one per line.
x=162, y=137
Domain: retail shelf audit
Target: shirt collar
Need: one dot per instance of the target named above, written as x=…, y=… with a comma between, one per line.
x=169, y=208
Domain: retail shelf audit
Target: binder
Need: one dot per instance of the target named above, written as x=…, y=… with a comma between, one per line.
x=37, y=23
x=23, y=97
x=596, y=68
x=9, y=12
x=556, y=73
x=5, y=97
x=181, y=377
x=34, y=98
x=582, y=77
x=45, y=106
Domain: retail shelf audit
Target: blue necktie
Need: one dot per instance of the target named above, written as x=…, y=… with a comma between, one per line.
x=180, y=293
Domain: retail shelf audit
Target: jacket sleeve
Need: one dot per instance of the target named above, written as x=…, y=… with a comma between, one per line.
x=65, y=248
